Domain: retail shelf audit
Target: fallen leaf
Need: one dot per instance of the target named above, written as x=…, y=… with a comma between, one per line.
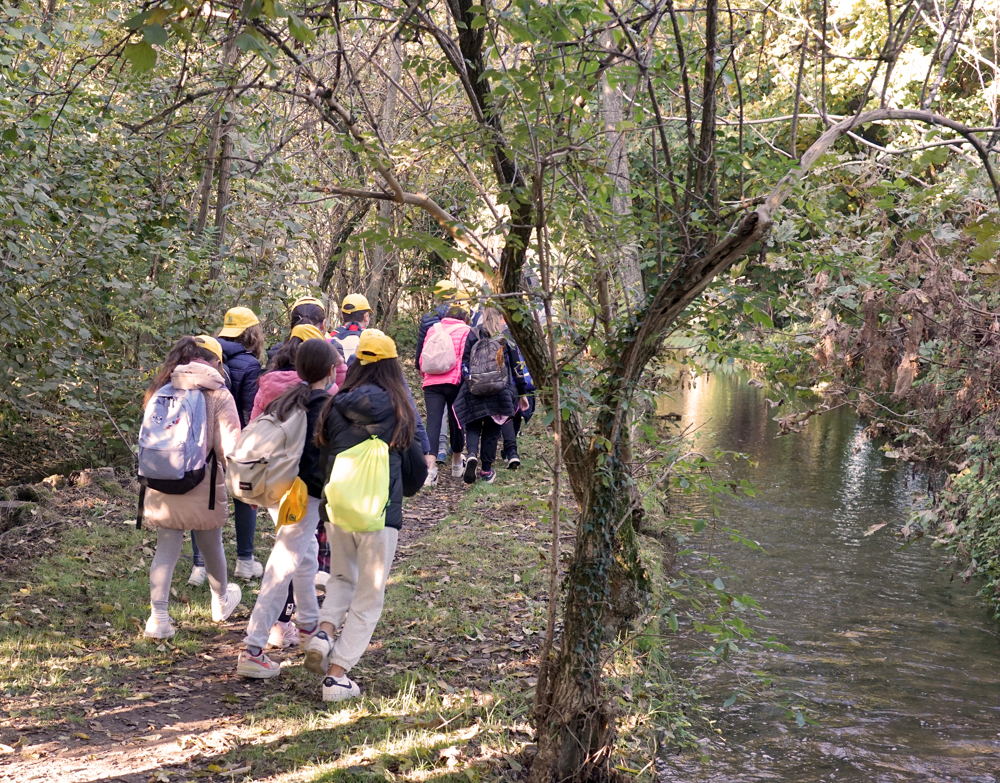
x=5, y=749
x=81, y=735
x=875, y=528
x=139, y=697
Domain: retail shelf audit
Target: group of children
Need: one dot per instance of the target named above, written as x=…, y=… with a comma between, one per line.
x=349, y=389
x=474, y=379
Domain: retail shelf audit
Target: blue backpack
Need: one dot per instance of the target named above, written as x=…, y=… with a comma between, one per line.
x=173, y=445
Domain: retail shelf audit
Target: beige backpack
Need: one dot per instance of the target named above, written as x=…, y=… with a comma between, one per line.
x=438, y=354
x=265, y=462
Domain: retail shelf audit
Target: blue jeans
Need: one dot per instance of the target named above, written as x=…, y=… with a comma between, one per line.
x=246, y=529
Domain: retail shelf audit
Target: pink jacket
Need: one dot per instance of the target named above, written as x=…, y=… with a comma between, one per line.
x=271, y=385
x=458, y=337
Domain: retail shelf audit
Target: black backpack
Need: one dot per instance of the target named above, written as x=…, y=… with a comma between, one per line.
x=488, y=370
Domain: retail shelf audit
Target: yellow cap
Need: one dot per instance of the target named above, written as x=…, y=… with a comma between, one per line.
x=355, y=303
x=374, y=346
x=445, y=288
x=238, y=320
x=293, y=504
x=307, y=332
x=309, y=300
x=207, y=341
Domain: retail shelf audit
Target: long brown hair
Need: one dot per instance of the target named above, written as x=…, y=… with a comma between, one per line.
x=387, y=374
x=186, y=350
x=251, y=338
x=284, y=359
x=313, y=363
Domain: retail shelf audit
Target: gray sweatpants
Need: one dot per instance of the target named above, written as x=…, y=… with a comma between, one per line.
x=168, y=550
x=355, y=593
x=292, y=559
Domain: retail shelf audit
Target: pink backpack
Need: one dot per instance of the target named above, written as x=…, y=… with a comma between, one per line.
x=438, y=354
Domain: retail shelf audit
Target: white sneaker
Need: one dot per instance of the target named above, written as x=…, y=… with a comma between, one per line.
x=158, y=630
x=457, y=471
x=225, y=606
x=283, y=634
x=198, y=576
x=262, y=668
x=432, y=478
x=318, y=653
x=339, y=690
x=248, y=569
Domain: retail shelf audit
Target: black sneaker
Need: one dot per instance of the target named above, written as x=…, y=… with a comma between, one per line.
x=513, y=462
x=470, y=469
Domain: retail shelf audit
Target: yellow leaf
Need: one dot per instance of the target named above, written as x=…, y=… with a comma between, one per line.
x=81, y=735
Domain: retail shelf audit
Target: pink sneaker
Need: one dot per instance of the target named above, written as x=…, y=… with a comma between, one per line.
x=283, y=635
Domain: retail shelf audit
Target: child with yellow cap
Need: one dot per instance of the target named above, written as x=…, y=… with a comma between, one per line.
x=292, y=563
x=373, y=402
x=241, y=341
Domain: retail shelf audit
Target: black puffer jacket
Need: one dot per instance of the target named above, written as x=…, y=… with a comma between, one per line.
x=354, y=417
x=244, y=370
x=310, y=465
x=470, y=407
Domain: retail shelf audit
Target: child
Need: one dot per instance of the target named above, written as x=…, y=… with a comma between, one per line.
x=306, y=311
x=372, y=401
x=293, y=557
x=193, y=363
x=441, y=389
x=281, y=376
x=483, y=415
x=242, y=340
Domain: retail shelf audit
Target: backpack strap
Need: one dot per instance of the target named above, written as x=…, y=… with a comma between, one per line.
x=211, y=487
x=138, y=513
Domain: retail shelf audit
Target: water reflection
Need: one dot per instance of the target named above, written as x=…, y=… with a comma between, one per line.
x=902, y=663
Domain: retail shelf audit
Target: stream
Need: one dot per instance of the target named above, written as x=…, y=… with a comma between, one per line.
x=899, y=665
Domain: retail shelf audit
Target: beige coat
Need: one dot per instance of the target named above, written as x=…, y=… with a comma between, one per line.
x=190, y=511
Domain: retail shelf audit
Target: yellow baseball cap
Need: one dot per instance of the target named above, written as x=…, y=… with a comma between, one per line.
x=309, y=300
x=355, y=303
x=374, y=346
x=445, y=288
x=238, y=320
x=209, y=342
x=293, y=504
x=307, y=332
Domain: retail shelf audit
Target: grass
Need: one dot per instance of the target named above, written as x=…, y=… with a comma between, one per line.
x=449, y=679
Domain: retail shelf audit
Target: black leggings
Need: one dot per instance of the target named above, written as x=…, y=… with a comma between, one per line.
x=437, y=398
x=489, y=431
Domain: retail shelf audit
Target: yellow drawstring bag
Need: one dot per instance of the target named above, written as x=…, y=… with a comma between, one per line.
x=294, y=504
x=357, y=492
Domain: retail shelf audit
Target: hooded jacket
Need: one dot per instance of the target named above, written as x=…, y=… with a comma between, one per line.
x=471, y=407
x=190, y=511
x=354, y=417
x=270, y=385
x=244, y=370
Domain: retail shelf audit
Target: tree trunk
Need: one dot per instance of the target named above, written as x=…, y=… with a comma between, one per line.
x=208, y=177
x=613, y=114
x=222, y=197
x=387, y=131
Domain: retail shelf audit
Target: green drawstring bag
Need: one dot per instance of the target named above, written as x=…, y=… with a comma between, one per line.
x=357, y=492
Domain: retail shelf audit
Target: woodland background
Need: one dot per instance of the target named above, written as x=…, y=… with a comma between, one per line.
x=803, y=187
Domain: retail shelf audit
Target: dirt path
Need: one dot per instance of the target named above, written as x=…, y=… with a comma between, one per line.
x=184, y=714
